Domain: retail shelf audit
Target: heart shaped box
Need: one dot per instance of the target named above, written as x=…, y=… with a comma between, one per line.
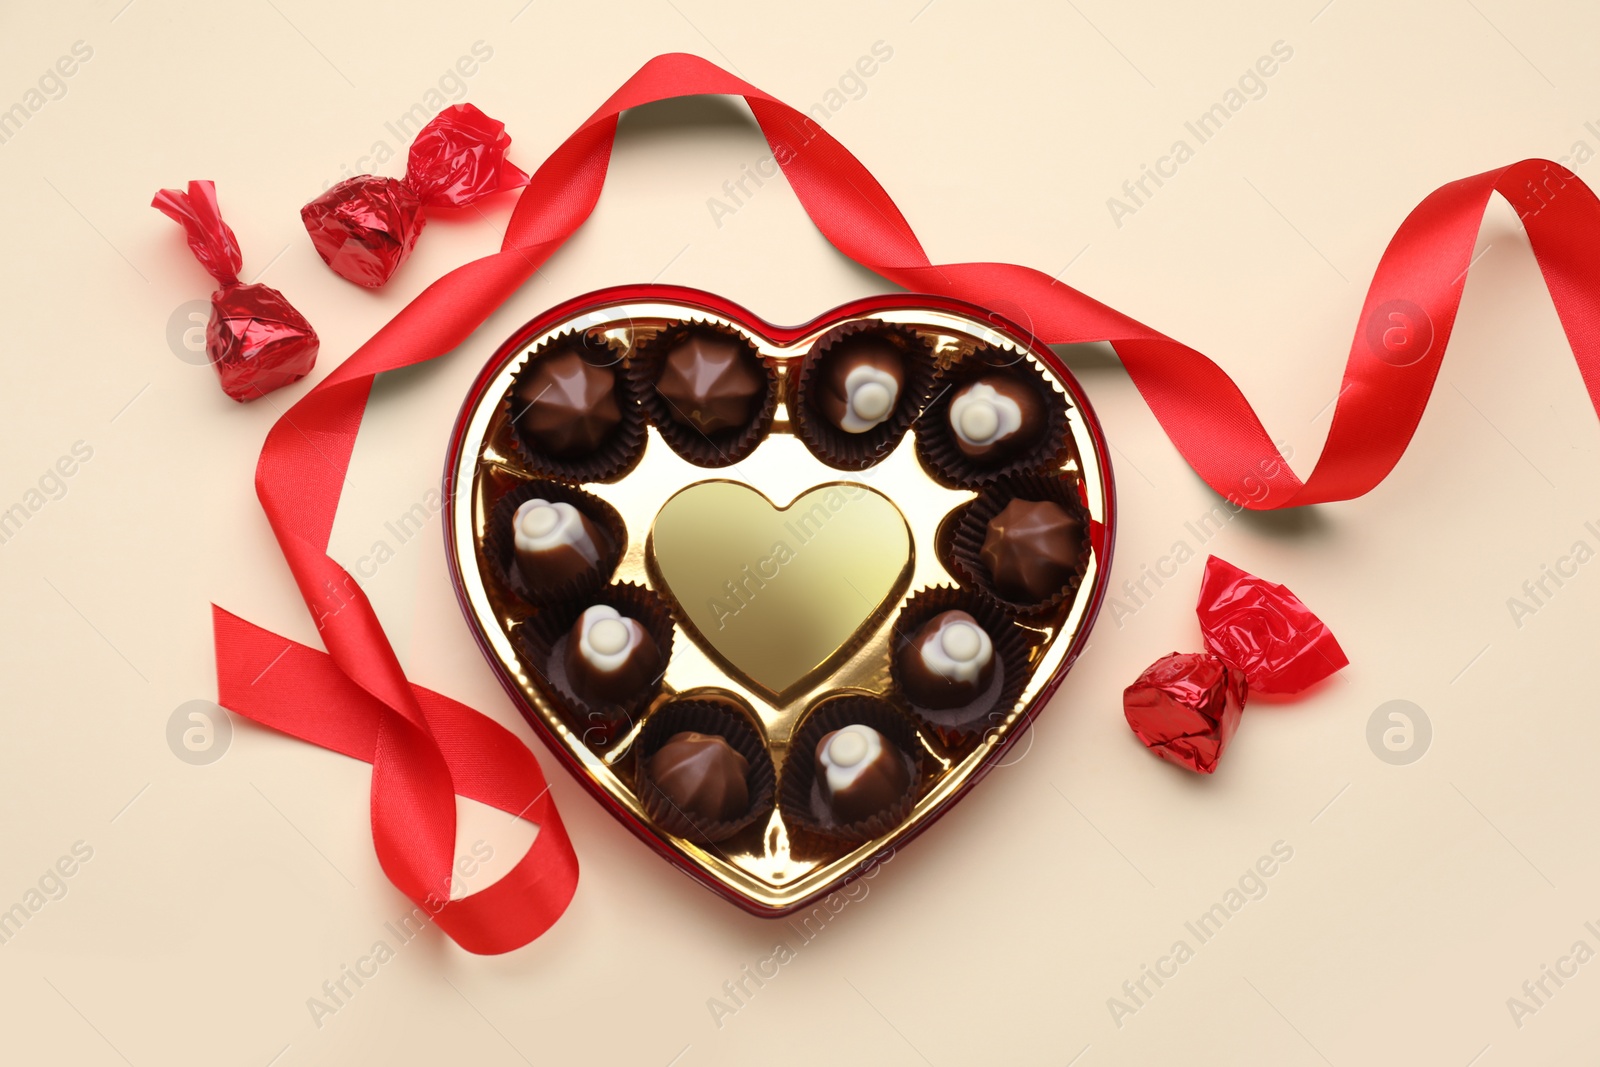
x=772, y=869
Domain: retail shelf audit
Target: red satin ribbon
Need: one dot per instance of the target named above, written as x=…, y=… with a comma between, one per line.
x=424, y=749
x=304, y=693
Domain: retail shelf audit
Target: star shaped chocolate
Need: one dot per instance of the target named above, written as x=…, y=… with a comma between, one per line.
x=568, y=405
x=702, y=775
x=1032, y=549
x=711, y=383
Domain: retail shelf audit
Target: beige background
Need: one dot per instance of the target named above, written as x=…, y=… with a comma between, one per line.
x=219, y=898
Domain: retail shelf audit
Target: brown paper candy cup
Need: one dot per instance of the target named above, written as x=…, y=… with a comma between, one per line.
x=720, y=448
x=622, y=447
x=543, y=645
x=972, y=526
x=858, y=451
x=955, y=726
x=704, y=717
x=936, y=441
x=499, y=542
x=800, y=794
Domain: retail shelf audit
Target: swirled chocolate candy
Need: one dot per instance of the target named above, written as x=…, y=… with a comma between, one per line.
x=610, y=657
x=702, y=775
x=859, y=383
x=861, y=773
x=566, y=405
x=711, y=383
x=948, y=662
x=1032, y=549
x=554, y=542
x=996, y=418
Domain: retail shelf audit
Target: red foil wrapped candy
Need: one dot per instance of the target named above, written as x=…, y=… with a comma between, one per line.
x=1259, y=636
x=1185, y=707
x=365, y=227
x=256, y=340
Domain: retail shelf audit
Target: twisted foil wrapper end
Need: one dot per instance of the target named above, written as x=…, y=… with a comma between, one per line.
x=1265, y=631
x=460, y=158
x=210, y=239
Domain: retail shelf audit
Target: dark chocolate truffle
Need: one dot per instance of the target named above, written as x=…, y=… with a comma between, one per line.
x=947, y=663
x=554, y=542
x=702, y=775
x=1032, y=549
x=566, y=405
x=996, y=418
x=860, y=772
x=859, y=383
x=711, y=383
x=610, y=658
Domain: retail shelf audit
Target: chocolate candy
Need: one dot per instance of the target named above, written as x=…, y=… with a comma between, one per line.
x=860, y=383
x=1259, y=638
x=1185, y=707
x=860, y=772
x=711, y=383
x=703, y=776
x=948, y=663
x=256, y=340
x=996, y=418
x=1032, y=549
x=365, y=227
x=610, y=658
x=554, y=542
x=566, y=405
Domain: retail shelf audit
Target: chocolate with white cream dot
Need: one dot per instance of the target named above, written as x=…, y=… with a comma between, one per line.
x=860, y=383
x=948, y=662
x=860, y=772
x=554, y=542
x=610, y=657
x=995, y=418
